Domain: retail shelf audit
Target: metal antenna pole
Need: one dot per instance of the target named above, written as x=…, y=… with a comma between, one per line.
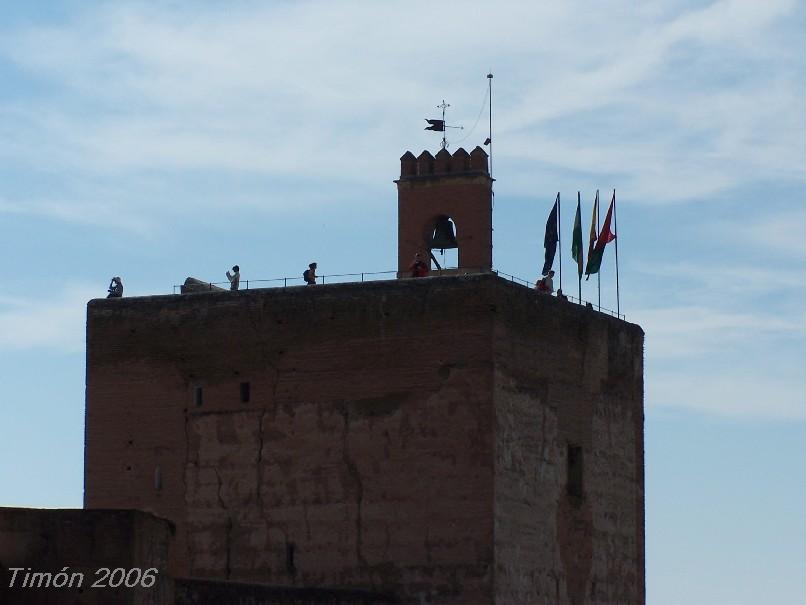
x=560, y=240
x=615, y=228
x=444, y=106
x=490, y=137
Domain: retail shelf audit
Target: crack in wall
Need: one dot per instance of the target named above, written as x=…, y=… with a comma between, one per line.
x=228, y=535
x=188, y=550
x=264, y=514
x=359, y=488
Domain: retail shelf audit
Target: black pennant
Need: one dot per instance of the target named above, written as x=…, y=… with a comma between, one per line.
x=437, y=125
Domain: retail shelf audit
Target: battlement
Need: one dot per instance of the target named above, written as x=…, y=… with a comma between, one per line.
x=444, y=163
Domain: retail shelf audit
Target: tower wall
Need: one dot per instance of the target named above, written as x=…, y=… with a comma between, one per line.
x=568, y=393
x=410, y=436
x=458, y=186
x=363, y=458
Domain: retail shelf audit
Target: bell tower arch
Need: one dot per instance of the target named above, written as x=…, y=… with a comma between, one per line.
x=444, y=198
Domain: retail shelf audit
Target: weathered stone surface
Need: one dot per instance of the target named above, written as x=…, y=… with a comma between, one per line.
x=407, y=436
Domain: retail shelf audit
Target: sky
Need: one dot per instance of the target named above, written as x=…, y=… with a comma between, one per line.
x=157, y=141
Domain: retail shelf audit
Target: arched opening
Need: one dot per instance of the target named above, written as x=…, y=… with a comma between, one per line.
x=443, y=243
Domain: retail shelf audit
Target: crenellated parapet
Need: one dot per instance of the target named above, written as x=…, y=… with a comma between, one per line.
x=459, y=162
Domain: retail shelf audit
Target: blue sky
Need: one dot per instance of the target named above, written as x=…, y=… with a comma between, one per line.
x=160, y=140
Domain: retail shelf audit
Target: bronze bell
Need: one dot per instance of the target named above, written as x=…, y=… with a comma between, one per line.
x=443, y=237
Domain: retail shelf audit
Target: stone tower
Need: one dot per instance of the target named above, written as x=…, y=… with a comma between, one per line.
x=455, y=186
x=451, y=440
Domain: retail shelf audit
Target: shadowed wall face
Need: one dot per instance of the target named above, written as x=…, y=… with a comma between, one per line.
x=408, y=436
x=107, y=548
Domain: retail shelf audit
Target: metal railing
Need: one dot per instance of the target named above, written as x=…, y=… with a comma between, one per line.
x=569, y=297
x=284, y=282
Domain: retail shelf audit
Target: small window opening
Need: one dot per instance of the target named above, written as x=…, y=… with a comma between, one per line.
x=245, y=392
x=199, y=396
x=575, y=470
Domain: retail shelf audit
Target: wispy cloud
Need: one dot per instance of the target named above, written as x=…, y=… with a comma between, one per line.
x=81, y=212
x=744, y=392
x=693, y=331
x=45, y=320
x=688, y=101
x=783, y=232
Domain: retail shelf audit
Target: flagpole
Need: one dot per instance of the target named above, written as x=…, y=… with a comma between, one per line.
x=598, y=273
x=615, y=228
x=490, y=83
x=579, y=265
x=560, y=240
x=490, y=137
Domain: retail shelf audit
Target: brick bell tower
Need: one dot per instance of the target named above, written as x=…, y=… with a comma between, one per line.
x=455, y=186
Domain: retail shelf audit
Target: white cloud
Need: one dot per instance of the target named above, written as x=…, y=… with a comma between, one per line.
x=694, y=331
x=279, y=91
x=740, y=286
x=49, y=320
x=783, y=232
x=743, y=391
x=107, y=213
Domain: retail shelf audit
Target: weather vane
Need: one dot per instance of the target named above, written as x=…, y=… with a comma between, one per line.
x=440, y=126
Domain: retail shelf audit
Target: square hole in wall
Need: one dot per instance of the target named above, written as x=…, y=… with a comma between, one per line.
x=246, y=392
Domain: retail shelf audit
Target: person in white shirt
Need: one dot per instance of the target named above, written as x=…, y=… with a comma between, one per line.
x=549, y=282
x=234, y=277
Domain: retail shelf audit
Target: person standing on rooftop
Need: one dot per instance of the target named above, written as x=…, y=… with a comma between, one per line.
x=310, y=274
x=234, y=277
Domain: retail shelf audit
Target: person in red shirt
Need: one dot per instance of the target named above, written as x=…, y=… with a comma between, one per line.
x=418, y=267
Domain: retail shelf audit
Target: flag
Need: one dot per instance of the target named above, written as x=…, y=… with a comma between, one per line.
x=551, y=237
x=592, y=237
x=605, y=236
x=437, y=125
x=576, y=244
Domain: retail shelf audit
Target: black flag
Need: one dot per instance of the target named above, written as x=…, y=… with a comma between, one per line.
x=550, y=240
x=438, y=125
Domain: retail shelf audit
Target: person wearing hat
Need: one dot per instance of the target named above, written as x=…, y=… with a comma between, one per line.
x=234, y=277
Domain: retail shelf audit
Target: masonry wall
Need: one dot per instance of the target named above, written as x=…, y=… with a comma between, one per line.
x=205, y=592
x=363, y=458
x=568, y=392
x=412, y=437
x=82, y=542
x=458, y=186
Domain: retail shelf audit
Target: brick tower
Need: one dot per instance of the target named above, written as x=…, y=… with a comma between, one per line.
x=456, y=186
x=451, y=440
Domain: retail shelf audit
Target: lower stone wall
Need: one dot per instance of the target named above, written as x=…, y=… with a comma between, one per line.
x=202, y=592
x=53, y=557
